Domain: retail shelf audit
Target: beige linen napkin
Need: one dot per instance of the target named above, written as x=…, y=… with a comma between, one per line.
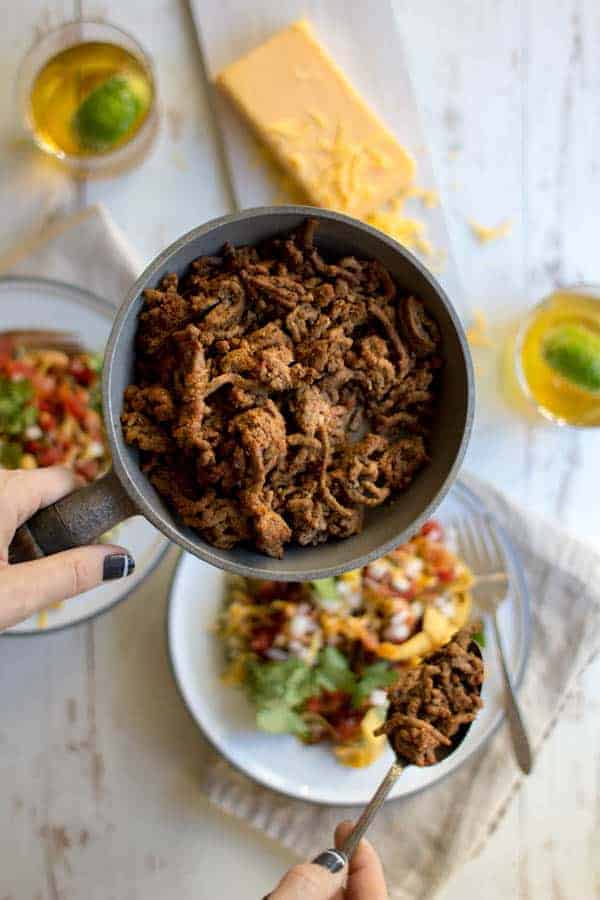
x=86, y=249
x=421, y=838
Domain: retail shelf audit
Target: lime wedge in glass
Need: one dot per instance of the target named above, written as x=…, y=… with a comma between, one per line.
x=573, y=351
x=107, y=114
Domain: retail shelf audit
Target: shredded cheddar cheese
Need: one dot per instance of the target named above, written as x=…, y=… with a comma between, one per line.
x=485, y=234
x=429, y=197
x=333, y=150
x=329, y=139
x=410, y=232
x=477, y=332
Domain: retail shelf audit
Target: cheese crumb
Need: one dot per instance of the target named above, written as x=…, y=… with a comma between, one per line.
x=428, y=197
x=409, y=232
x=477, y=332
x=485, y=234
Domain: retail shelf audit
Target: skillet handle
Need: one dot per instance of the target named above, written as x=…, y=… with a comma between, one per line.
x=79, y=518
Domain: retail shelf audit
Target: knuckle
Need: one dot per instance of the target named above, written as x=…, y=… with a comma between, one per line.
x=307, y=875
x=82, y=575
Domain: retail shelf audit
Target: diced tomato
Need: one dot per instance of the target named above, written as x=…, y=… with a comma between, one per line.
x=433, y=530
x=348, y=726
x=45, y=385
x=49, y=456
x=81, y=372
x=72, y=403
x=269, y=590
x=446, y=575
x=328, y=702
x=379, y=587
x=88, y=469
x=93, y=424
x=262, y=639
x=17, y=367
x=34, y=447
x=46, y=420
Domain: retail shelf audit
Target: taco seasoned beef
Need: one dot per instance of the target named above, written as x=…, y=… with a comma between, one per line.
x=432, y=701
x=278, y=394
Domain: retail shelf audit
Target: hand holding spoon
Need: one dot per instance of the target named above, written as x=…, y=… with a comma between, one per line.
x=334, y=858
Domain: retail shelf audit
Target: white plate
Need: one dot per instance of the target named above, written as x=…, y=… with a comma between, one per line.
x=281, y=762
x=38, y=303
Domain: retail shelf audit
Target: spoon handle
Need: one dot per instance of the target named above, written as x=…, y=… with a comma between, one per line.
x=368, y=814
x=520, y=740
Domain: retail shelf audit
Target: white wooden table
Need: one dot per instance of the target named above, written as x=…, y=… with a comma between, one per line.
x=97, y=755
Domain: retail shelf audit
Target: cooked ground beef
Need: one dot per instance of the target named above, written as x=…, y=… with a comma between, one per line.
x=432, y=701
x=278, y=394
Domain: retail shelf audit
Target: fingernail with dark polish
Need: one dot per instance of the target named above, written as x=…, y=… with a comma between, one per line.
x=334, y=860
x=118, y=565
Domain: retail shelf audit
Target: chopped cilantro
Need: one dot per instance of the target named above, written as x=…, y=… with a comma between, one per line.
x=16, y=411
x=10, y=455
x=289, y=682
x=332, y=672
x=277, y=718
x=95, y=362
x=279, y=690
x=479, y=637
x=326, y=592
x=377, y=675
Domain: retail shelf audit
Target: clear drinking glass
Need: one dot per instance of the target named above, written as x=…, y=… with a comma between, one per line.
x=554, y=396
x=126, y=153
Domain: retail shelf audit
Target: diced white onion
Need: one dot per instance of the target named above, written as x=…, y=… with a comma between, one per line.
x=301, y=625
x=399, y=582
x=274, y=653
x=95, y=450
x=354, y=600
x=378, y=697
x=297, y=648
x=413, y=566
x=445, y=605
x=379, y=568
x=398, y=628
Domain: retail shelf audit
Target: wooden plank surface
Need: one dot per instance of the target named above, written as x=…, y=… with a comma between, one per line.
x=179, y=186
x=32, y=187
x=93, y=738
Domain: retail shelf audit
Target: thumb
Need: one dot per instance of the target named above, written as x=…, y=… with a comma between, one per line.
x=27, y=587
x=308, y=881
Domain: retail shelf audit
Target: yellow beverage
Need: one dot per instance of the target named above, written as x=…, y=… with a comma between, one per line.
x=100, y=79
x=557, y=357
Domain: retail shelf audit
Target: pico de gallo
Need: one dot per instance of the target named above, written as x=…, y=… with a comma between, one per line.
x=50, y=410
x=317, y=658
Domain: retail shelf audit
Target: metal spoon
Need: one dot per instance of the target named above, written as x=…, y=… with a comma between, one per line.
x=333, y=858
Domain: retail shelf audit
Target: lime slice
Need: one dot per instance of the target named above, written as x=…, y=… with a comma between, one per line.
x=574, y=352
x=107, y=113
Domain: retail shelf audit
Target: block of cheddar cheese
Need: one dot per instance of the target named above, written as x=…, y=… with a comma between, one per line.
x=318, y=127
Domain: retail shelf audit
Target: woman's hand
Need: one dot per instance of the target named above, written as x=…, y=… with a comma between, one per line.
x=27, y=587
x=310, y=881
